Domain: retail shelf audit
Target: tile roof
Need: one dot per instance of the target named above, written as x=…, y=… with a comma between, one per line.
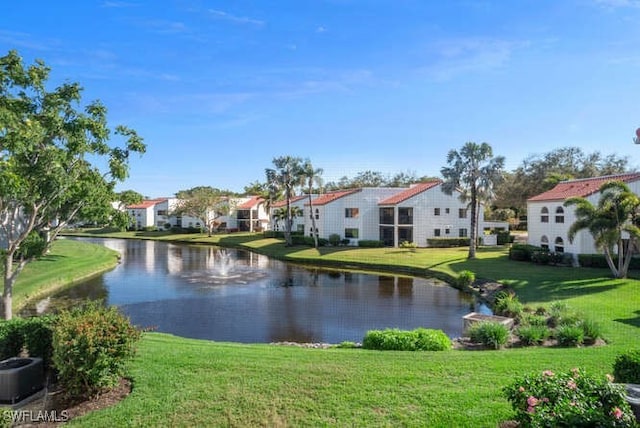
x=581, y=187
x=332, y=196
x=146, y=204
x=410, y=192
x=255, y=200
x=279, y=204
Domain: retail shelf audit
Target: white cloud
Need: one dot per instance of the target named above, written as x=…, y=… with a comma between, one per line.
x=243, y=20
x=469, y=55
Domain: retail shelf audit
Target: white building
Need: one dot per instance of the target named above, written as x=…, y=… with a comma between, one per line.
x=549, y=220
x=144, y=214
x=297, y=203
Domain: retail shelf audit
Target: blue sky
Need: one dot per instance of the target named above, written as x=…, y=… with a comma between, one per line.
x=219, y=88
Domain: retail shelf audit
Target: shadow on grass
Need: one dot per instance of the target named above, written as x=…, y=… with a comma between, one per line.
x=52, y=258
x=634, y=322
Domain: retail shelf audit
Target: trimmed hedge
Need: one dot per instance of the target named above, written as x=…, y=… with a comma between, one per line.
x=522, y=252
x=626, y=368
x=33, y=335
x=599, y=261
x=420, y=339
x=370, y=243
x=448, y=242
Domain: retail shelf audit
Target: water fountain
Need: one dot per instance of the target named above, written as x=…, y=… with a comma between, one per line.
x=225, y=271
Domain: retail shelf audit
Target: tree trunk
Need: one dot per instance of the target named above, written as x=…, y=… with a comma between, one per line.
x=609, y=259
x=472, y=233
x=7, y=294
x=313, y=219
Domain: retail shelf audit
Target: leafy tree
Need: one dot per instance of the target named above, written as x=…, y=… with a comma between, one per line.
x=311, y=176
x=617, y=214
x=474, y=172
x=285, y=177
x=205, y=203
x=539, y=173
x=46, y=178
x=119, y=217
x=281, y=214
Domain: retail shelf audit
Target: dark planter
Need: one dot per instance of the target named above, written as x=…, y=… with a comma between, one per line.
x=633, y=398
x=20, y=378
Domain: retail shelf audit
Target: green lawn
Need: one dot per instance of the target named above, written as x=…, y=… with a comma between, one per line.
x=183, y=382
x=67, y=263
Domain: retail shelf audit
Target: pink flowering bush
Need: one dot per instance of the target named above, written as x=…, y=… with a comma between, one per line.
x=569, y=399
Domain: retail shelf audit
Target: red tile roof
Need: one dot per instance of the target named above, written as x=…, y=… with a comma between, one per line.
x=332, y=196
x=582, y=187
x=410, y=192
x=255, y=200
x=279, y=204
x=145, y=204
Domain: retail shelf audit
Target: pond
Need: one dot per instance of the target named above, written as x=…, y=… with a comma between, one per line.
x=234, y=295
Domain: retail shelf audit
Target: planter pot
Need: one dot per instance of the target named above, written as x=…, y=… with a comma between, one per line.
x=20, y=378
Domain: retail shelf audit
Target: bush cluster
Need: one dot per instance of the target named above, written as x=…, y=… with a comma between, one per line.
x=599, y=261
x=465, y=278
x=420, y=339
x=447, y=242
x=31, y=336
x=489, y=333
x=90, y=348
x=569, y=399
x=626, y=368
x=370, y=243
x=507, y=304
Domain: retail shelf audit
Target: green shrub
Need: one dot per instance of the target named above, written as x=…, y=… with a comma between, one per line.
x=370, y=243
x=533, y=320
x=489, y=333
x=347, y=345
x=504, y=237
x=533, y=334
x=90, y=348
x=541, y=257
x=420, y=339
x=334, y=239
x=409, y=245
x=560, y=313
x=11, y=338
x=599, y=261
x=570, y=335
x=508, y=305
x=447, y=242
x=522, y=252
x=626, y=368
x=592, y=330
x=30, y=335
x=465, y=278
x=572, y=399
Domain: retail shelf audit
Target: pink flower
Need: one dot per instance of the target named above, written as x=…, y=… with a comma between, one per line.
x=531, y=409
x=610, y=378
x=532, y=401
x=545, y=400
x=521, y=389
x=547, y=373
x=617, y=413
x=572, y=384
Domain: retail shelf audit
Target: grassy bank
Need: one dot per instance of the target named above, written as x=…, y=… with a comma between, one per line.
x=183, y=382
x=67, y=263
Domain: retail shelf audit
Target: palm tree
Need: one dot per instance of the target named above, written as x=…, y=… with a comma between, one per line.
x=285, y=177
x=616, y=215
x=474, y=172
x=311, y=175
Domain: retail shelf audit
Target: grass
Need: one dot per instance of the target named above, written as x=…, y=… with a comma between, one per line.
x=67, y=263
x=185, y=382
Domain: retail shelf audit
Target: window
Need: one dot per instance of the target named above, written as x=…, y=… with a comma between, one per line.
x=351, y=212
x=405, y=215
x=544, y=242
x=162, y=212
x=559, y=245
x=386, y=216
x=436, y=211
x=544, y=215
x=559, y=215
x=462, y=213
x=446, y=210
x=405, y=234
x=436, y=232
x=462, y=233
x=351, y=233
x=447, y=231
x=301, y=228
x=317, y=214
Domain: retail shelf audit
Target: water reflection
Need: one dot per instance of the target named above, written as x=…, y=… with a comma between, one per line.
x=232, y=295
